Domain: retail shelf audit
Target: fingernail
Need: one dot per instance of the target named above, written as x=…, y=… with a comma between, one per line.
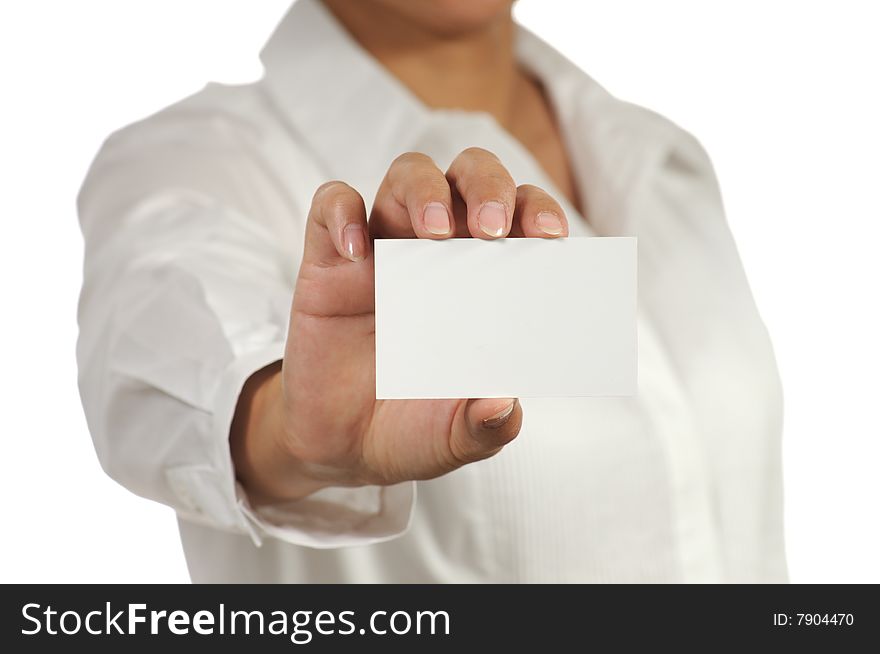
x=549, y=223
x=355, y=242
x=500, y=418
x=492, y=219
x=436, y=218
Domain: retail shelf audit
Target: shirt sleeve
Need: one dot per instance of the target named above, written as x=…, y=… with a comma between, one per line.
x=191, y=252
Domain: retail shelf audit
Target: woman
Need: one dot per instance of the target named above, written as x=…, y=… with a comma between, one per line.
x=258, y=423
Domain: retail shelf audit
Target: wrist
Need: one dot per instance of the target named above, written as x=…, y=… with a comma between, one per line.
x=264, y=466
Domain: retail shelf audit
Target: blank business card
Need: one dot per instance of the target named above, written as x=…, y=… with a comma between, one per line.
x=516, y=317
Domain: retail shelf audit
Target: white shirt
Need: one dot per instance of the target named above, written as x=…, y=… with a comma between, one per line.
x=193, y=222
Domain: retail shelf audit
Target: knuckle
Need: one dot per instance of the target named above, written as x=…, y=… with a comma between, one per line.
x=476, y=165
x=476, y=152
x=491, y=185
x=328, y=190
x=537, y=198
x=498, y=179
x=428, y=184
x=530, y=190
x=335, y=194
x=411, y=158
x=459, y=454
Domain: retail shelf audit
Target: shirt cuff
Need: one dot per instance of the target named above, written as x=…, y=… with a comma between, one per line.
x=336, y=517
x=329, y=518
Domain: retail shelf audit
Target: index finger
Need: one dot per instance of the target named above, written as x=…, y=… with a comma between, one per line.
x=414, y=200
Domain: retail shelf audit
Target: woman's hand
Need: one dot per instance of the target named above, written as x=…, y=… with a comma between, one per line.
x=315, y=422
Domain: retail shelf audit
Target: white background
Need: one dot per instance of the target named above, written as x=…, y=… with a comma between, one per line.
x=783, y=94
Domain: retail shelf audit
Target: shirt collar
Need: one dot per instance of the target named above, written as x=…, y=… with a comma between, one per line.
x=312, y=61
x=367, y=114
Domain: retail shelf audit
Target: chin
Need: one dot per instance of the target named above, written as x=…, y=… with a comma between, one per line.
x=450, y=17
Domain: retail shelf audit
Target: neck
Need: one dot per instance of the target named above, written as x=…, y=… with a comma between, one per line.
x=475, y=71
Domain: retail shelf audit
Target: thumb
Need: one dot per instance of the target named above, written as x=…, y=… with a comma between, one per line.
x=336, y=275
x=483, y=427
x=337, y=225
